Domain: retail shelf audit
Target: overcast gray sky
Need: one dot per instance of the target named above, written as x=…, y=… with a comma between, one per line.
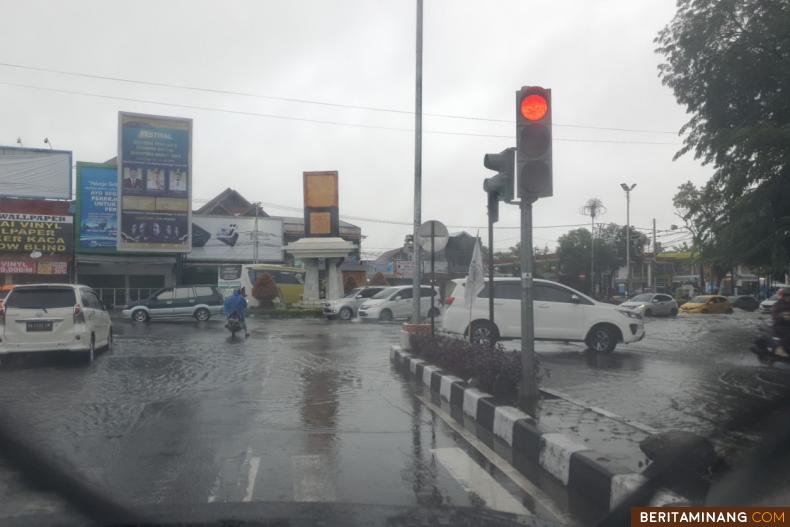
x=596, y=56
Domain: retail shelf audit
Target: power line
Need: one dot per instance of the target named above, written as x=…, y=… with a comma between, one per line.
x=316, y=121
x=308, y=101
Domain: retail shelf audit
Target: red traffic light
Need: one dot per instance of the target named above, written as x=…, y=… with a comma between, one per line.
x=534, y=107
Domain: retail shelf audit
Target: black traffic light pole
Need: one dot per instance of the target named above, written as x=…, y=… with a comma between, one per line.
x=529, y=392
x=493, y=216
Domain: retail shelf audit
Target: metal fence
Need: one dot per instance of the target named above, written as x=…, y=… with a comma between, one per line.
x=119, y=296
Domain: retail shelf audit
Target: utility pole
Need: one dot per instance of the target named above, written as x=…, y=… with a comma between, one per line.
x=255, y=253
x=628, y=234
x=655, y=257
x=415, y=301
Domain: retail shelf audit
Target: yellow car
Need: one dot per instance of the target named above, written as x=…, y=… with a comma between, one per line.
x=707, y=304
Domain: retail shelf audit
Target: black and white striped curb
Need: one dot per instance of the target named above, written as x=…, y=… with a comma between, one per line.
x=602, y=482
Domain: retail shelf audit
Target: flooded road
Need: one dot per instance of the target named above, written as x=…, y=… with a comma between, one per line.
x=302, y=411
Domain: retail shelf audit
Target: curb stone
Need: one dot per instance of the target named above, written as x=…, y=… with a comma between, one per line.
x=603, y=483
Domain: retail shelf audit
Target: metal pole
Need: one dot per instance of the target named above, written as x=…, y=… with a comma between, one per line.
x=592, y=255
x=490, y=266
x=417, y=169
x=529, y=384
x=255, y=256
x=628, y=241
x=433, y=272
x=655, y=258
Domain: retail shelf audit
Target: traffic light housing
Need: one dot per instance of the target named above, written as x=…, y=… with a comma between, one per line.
x=533, y=142
x=501, y=185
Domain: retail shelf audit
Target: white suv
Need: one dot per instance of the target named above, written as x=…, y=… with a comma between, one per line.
x=54, y=317
x=560, y=313
x=396, y=302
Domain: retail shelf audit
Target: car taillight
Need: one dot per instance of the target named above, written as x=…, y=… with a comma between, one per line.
x=449, y=300
x=79, y=316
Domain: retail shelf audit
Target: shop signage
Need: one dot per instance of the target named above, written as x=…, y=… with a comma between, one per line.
x=28, y=233
x=154, y=183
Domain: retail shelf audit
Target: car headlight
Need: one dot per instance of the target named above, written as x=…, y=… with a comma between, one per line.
x=630, y=314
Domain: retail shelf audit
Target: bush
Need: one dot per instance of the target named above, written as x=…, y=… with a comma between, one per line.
x=496, y=370
x=349, y=284
x=378, y=279
x=265, y=290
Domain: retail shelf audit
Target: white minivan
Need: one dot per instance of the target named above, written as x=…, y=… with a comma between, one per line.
x=560, y=313
x=54, y=317
x=396, y=302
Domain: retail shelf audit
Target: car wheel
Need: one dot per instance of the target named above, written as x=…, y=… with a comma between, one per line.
x=673, y=313
x=385, y=315
x=202, y=314
x=648, y=313
x=483, y=332
x=140, y=315
x=601, y=339
x=346, y=313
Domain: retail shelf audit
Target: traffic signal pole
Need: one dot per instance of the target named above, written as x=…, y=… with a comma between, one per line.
x=493, y=206
x=529, y=381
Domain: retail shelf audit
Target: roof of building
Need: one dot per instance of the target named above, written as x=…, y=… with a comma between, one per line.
x=230, y=202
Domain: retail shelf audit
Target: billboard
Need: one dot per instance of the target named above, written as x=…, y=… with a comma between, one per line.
x=36, y=234
x=232, y=238
x=35, y=173
x=97, y=207
x=321, y=212
x=154, y=183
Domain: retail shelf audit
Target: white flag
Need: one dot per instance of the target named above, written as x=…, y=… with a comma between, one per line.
x=475, y=280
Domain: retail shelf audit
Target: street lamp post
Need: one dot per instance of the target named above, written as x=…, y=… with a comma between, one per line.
x=628, y=234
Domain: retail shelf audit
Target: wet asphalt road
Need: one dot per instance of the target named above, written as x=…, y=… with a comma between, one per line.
x=301, y=411
x=312, y=411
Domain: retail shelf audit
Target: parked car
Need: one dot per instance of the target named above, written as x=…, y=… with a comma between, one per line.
x=396, y=302
x=346, y=308
x=707, y=304
x=198, y=301
x=54, y=317
x=745, y=302
x=561, y=313
x=651, y=304
x=768, y=304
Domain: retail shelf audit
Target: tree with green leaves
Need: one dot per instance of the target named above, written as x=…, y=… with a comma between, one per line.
x=728, y=63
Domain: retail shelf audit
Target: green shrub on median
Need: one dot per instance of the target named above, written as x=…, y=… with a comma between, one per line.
x=497, y=370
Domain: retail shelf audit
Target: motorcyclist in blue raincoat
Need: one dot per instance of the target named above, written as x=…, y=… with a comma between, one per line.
x=236, y=303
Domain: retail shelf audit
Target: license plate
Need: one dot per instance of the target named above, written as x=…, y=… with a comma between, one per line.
x=39, y=325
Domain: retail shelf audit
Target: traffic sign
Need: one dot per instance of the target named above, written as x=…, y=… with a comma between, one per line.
x=440, y=236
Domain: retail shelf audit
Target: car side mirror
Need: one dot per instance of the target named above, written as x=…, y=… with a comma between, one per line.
x=575, y=299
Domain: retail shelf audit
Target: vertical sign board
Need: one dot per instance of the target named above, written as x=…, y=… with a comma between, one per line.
x=154, y=183
x=97, y=207
x=321, y=216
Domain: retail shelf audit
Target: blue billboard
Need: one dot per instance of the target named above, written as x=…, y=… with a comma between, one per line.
x=97, y=207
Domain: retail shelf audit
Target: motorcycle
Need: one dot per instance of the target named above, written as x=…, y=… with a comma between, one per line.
x=765, y=348
x=234, y=324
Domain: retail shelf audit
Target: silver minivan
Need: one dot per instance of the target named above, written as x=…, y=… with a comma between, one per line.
x=396, y=302
x=346, y=308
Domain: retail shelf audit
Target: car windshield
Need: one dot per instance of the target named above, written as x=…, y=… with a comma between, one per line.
x=362, y=169
x=385, y=293
x=641, y=298
x=29, y=298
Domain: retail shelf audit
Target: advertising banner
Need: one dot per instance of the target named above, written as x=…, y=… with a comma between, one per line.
x=17, y=267
x=232, y=238
x=154, y=183
x=97, y=207
x=35, y=173
x=35, y=233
